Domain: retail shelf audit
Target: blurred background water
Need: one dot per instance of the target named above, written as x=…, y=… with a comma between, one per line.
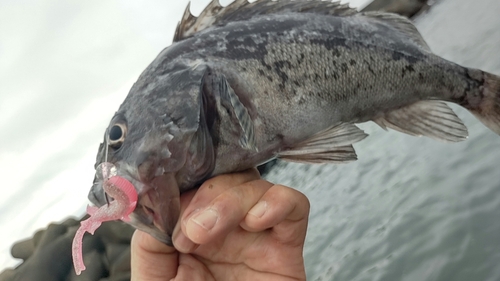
x=408, y=209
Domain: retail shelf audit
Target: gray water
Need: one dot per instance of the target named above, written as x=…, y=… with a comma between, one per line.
x=413, y=208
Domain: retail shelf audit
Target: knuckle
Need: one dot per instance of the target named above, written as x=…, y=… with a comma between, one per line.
x=291, y=194
x=303, y=200
x=292, y=200
x=235, y=195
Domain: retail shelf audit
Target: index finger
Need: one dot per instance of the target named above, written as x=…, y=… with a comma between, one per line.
x=207, y=192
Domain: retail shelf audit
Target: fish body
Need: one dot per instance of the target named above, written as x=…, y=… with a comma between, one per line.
x=250, y=82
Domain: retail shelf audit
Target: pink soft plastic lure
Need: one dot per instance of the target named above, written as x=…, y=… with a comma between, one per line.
x=124, y=204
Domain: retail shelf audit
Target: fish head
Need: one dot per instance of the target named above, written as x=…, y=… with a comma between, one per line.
x=159, y=140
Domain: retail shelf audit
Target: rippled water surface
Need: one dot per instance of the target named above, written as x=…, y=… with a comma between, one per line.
x=413, y=208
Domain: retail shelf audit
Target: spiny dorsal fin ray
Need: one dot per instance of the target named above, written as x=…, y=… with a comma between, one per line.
x=332, y=145
x=186, y=23
x=433, y=119
x=401, y=23
x=240, y=10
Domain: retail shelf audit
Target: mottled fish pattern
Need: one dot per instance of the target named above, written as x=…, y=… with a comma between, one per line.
x=250, y=82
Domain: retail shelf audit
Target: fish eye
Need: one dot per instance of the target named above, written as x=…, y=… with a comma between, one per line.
x=116, y=135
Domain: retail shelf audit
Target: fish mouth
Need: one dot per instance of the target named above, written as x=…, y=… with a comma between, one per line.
x=158, y=207
x=157, y=213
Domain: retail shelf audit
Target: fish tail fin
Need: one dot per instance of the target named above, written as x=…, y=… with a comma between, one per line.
x=487, y=106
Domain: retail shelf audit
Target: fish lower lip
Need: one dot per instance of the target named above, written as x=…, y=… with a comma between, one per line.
x=144, y=218
x=152, y=215
x=147, y=213
x=150, y=221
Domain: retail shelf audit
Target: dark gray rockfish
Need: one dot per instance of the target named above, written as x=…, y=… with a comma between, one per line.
x=250, y=82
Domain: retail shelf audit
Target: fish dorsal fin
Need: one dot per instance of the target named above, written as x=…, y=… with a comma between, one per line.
x=333, y=145
x=190, y=24
x=401, y=23
x=433, y=119
x=239, y=10
x=233, y=102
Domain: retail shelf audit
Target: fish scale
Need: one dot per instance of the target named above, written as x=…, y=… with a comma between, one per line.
x=250, y=82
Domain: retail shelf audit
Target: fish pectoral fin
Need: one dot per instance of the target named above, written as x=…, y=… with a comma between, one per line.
x=233, y=103
x=337, y=155
x=402, y=24
x=333, y=145
x=433, y=119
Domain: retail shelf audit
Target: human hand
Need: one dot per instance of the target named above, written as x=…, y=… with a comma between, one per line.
x=234, y=227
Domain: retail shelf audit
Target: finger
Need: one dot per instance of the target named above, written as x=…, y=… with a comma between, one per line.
x=208, y=191
x=152, y=260
x=192, y=269
x=215, y=186
x=180, y=241
x=225, y=212
x=283, y=209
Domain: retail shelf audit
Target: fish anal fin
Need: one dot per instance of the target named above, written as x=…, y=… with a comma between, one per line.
x=333, y=145
x=216, y=15
x=433, y=119
x=400, y=23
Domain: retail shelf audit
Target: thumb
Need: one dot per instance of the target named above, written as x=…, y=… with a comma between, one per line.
x=152, y=260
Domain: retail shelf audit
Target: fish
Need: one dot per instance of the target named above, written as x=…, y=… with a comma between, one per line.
x=250, y=82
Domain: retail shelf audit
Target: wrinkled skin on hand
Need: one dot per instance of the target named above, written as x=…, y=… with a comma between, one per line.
x=253, y=230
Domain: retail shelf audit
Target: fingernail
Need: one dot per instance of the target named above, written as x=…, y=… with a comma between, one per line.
x=187, y=217
x=182, y=243
x=259, y=209
x=206, y=219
